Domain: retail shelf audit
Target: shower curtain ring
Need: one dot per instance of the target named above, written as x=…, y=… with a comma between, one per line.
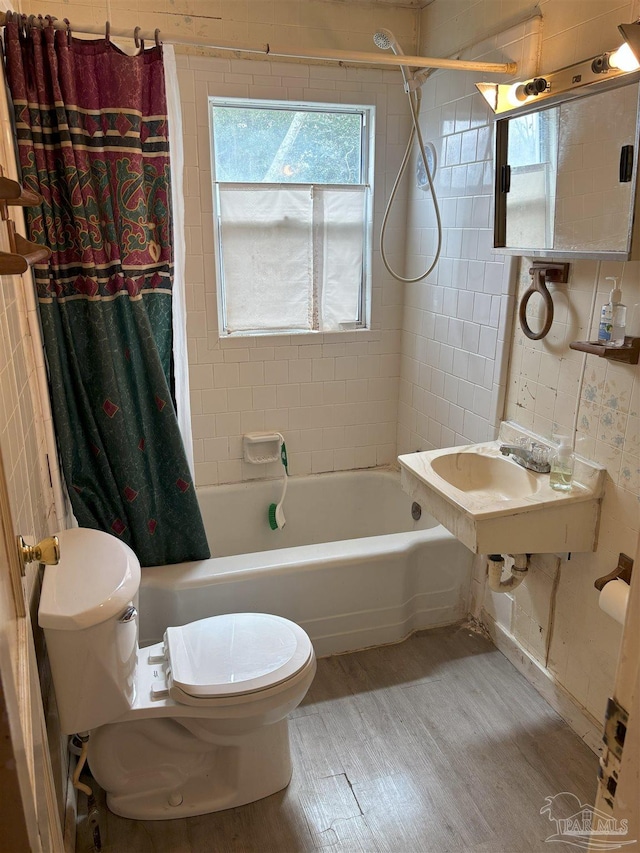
x=136, y=36
x=107, y=32
x=67, y=22
x=157, y=38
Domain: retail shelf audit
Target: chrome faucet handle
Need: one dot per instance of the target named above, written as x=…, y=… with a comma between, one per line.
x=539, y=453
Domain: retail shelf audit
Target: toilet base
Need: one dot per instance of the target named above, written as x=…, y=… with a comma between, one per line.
x=156, y=769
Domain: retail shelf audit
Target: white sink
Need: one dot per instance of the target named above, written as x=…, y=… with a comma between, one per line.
x=495, y=506
x=494, y=477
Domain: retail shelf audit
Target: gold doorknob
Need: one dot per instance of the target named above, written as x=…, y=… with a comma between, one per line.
x=47, y=551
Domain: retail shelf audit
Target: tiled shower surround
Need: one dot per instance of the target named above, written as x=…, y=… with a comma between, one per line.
x=334, y=396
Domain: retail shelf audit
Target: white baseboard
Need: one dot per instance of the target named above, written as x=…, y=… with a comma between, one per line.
x=575, y=715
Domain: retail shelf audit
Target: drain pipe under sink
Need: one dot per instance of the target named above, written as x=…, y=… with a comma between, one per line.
x=495, y=565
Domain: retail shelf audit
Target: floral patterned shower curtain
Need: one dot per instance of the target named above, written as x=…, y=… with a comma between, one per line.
x=92, y=139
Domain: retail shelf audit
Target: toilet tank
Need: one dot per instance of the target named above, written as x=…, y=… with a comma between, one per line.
x=90, y=631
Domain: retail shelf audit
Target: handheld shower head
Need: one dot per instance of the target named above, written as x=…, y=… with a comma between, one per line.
x=385, y=40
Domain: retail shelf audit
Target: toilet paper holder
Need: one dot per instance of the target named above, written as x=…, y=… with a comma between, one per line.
x=622, y=571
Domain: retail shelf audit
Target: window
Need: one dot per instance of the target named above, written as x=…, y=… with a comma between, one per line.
x=292, y=215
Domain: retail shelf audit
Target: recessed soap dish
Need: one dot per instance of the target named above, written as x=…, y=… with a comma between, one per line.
x=261, y=447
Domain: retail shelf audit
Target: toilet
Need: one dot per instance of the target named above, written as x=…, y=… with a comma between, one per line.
x=191, y=725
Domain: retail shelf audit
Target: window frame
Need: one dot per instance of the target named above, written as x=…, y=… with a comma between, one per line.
x=367, y=163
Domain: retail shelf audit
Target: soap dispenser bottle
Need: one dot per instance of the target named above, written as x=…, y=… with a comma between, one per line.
x=562, y=462
x=613, y=317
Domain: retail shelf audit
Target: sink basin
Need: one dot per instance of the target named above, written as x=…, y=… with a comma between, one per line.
x=495, y=506
x=490, y=476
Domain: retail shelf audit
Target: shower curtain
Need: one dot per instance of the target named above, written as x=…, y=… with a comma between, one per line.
x=179, y=304
x=92, y=138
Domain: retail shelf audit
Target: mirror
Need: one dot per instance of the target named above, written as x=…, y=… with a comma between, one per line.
x=566, y=178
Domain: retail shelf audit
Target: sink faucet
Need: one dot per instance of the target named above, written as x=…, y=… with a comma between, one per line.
x=534, y=457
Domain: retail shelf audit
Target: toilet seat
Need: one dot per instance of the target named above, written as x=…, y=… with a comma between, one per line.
x=233, y=655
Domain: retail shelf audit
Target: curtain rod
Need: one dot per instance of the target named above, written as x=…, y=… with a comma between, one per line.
x=328, y=55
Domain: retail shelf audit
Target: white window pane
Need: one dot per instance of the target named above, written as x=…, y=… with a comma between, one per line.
x=342, y=213
x=266, y=257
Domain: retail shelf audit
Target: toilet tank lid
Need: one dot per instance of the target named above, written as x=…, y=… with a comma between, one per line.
x=96, y=578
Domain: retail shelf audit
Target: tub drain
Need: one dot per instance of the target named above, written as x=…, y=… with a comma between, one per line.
x=416, y=511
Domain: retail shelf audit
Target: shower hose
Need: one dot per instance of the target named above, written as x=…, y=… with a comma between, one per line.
x=414, y=105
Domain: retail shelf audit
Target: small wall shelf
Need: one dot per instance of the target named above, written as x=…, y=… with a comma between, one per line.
x=33, y=253
x=628, y=353
x=15, y=195
x=23, y=252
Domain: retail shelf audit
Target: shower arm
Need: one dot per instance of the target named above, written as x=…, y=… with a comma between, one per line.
x=270, y=50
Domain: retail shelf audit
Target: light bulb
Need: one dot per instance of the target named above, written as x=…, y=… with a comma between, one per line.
x=522, y=93
x=516, y=95
x=624, y=59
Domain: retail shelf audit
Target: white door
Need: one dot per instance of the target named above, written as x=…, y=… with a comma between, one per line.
x=29, y=817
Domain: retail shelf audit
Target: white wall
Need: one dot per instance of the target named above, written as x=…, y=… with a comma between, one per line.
x=554, y=616
x=282, y=23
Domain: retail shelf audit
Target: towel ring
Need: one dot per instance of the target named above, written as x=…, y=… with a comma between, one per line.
x=538, y=285
x=541, y=273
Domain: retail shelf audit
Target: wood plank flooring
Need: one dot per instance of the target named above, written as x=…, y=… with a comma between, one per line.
x=435, y=744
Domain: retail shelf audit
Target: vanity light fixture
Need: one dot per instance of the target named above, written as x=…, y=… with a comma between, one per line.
x=509, y=97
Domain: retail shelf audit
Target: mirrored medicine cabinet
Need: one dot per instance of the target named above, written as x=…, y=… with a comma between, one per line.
x=566, y=177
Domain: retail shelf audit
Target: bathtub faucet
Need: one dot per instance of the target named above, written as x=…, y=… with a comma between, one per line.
x=535, y=457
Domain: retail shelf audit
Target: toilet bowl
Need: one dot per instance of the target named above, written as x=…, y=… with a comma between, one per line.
x=194, y=724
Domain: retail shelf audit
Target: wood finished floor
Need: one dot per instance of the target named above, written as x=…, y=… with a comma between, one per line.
x=432, y=745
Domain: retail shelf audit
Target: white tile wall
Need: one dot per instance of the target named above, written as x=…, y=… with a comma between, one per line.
x=457, y=320
x=542, y=388
x=332, y=396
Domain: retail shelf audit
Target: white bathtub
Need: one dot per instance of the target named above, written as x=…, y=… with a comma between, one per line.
x=351, y=566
